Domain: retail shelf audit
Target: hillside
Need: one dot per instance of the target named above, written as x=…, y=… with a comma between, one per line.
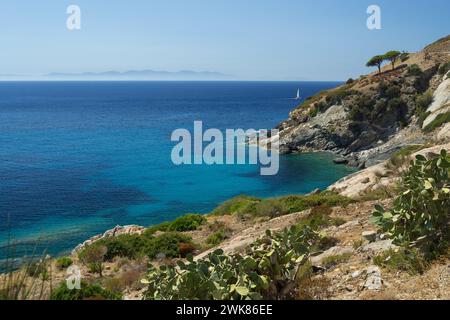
x=368, y=119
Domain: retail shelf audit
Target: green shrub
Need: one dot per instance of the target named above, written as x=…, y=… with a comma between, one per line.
x=314, y=111
x=167, y=245
x=414, y=70
x=420, y=215
x=438, y=121
x=356, y=244
x=237, y=205
x=423, y=101
x=324, y=243
x=295, y=204
x=188, y=222
x=23, y=284
x=408, y=260
x=216, y=238
x=399, y=157
x=392, y=92
x=444, y=68
x=350, y=81
x=159, y=227
x=422, y=116
x=63, y=263
x=93, y=257
x=126, y=246
x=87, y=292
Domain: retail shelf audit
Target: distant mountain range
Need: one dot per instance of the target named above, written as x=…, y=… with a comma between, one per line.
x=125, y=75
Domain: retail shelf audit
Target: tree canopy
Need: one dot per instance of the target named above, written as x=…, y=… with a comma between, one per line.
x=376, y=61
x=392, y=56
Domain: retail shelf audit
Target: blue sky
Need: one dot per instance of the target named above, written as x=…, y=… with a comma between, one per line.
x=251, y=39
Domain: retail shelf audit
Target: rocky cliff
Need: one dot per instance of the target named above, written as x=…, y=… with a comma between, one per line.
x=366, y=120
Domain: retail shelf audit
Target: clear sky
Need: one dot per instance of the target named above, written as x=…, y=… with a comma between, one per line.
x=249, y=39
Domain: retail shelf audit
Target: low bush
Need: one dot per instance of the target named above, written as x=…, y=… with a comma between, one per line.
x=188, y=222
x=438, y=121
x=184, y=249
x=236, y=205
x=295, y=204
x=444, y=68
x=319, y=218
x=271, y=208
x=401, y=157
x=93, y=257
x=325, y=243
x=336, y=97
x=423, y=101
x=216, y=238
x=356, y=244
x=126, y=246
x=87, y=292
x=166, y=245
x=414, y=70
x=408, y=260
x=420, y=215
x=63, y=263
x=404, y=56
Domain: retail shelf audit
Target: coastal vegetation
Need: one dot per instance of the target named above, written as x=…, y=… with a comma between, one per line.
x=313, y=237
x=255, y=207
x=272, y=266
x=420, y=215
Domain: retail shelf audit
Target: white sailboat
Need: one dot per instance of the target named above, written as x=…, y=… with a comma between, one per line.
x=298, y=95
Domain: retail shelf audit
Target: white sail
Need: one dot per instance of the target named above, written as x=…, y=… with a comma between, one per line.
x=298, y=95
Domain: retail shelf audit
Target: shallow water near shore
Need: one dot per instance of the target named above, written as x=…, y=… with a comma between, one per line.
x=78, y=158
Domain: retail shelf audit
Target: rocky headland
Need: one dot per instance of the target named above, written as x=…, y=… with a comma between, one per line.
x=368, y=119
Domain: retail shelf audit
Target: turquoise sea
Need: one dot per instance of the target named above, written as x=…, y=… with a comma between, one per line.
x=78, y=158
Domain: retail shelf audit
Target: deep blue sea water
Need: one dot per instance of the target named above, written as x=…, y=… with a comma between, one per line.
x=77, y=158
